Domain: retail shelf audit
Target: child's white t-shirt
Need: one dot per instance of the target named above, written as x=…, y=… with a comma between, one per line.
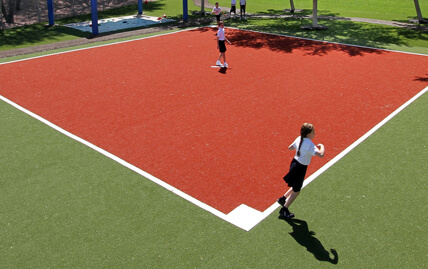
x=220, y=33
x=233, y=2
x=216, y=10
x=307, y=150
x=243, y=2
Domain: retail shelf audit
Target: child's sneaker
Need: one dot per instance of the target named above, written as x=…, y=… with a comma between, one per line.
x=218, y=63
x=288, y=215
x=225, y=64
x=284, y=212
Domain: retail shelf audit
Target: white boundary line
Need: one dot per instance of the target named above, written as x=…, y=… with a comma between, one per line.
x=98, y=46
x=361, y=139
x=243, y=216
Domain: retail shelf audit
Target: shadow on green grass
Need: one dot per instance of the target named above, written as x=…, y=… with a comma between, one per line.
x=344, y=32
x=39, y=34
x=35, y=33
x=307, y=239
x=270, y=12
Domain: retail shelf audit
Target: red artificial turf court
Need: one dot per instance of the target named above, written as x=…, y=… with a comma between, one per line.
x=220, y=137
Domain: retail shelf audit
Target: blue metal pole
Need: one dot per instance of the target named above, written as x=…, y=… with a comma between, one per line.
x=94, y=16
x=185, y=11
x=51, y=13
x=140, y=7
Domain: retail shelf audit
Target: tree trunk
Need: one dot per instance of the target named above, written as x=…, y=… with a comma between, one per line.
x=315, y=14
x=418, y=10
x=1, y=14
x=292, y=6
x=39, y=16
x=18, y=5
x=203, y=7
x=8, y=13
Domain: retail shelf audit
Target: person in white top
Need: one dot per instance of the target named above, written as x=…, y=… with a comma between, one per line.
x=243, y=5
x=221, y=46
x=305, y=150
x=217, y=12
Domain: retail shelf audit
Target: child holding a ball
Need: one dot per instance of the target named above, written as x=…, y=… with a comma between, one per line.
x=305, y=149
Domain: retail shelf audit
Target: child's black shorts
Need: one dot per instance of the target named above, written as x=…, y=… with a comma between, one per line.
x=296, y=175
x=221, y=46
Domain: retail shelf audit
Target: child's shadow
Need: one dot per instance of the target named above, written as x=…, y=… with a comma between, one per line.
x=222, y=70
x=306, y=238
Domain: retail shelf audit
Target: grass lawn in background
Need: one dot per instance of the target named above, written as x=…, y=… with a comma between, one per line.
x=395, y=10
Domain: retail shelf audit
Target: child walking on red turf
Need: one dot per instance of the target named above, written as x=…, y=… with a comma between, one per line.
x=221, y=46
x=305, y=149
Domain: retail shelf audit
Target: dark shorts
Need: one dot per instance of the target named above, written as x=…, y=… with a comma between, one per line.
x=242, y=8
x=221, y=46
x=218, y=17
x=296, y=175
x=233, y=9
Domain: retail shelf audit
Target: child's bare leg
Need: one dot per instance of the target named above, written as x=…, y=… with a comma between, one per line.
x=222, y=55
x=288, y=193
x=291, y=198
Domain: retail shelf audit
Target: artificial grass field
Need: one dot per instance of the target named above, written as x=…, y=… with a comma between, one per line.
x=66, y=206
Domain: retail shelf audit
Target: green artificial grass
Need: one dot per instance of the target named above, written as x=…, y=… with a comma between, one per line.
x=65, y=205
x=391, y=10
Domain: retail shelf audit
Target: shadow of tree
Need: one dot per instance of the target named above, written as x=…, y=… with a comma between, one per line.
x=29, y=34
x=307, y=239
x=287, y=44
x=32, y=33
x=365, y=35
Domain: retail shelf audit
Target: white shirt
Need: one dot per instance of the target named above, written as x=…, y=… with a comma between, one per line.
x=217, y=10
x=307, y=150
x=243, y=2
x=220, y=33
x=233, y=2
